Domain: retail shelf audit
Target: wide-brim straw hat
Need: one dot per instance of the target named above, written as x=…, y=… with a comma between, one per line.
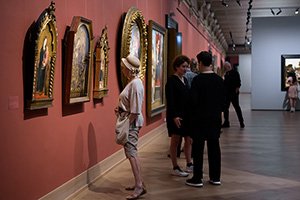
x=131, y=62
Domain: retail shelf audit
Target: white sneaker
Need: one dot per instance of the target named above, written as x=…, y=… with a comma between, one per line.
x=189, y=169
x=215, y=182
x=179, y=172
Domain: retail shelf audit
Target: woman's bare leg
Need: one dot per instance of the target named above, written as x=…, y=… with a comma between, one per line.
x=188, y=149
x=173, y=149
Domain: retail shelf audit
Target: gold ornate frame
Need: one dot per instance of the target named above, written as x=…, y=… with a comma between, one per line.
x=133, y=18
x=157, y=69
x=45, y=47
x=78, y=61
x=101, y=66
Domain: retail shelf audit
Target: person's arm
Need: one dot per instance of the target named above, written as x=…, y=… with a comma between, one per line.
x=171, y=104
x=132, y=117
x=237, y=82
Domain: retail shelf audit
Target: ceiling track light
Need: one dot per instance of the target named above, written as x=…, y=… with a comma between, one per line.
x=279, y=11
x=297, y=11
x=224, y=3
x=239, y=3
x=272, y=11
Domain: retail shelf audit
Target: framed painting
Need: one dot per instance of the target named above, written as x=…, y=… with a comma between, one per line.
x=45, y=47
x=134, y=40
x=157, y=68
x=78, y=61
x=290, y=66
x=101, y=66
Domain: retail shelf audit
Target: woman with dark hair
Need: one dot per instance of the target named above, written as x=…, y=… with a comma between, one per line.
x=177, y=95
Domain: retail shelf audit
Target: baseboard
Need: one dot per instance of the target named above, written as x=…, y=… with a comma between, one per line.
x=71, y=188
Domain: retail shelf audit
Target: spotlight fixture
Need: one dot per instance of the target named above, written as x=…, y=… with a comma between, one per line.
x=233, y=47
x=224, y=3
x=272, y=11
x=297, y=11
x=279, y=11
x=239, y=2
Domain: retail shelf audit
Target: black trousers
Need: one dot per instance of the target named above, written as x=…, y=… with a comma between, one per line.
x=214, y=158
x=234, y=99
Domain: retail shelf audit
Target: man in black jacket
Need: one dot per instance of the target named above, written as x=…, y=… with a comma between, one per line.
x=232, y=82
x=206, y=105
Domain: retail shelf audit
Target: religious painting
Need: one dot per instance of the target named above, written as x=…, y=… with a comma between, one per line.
x=134, y=40
x=290, y=66
x=157, y=68
x=101, y=66
x=78, y=61
x=45, y=47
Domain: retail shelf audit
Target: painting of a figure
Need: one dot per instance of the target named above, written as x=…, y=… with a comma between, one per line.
x=290, y=67
x=80, y=63
x=101, y=66
x=42, y=71
x=157, y=71
x=135, y=42
x=40, y=45
x=157, y=64
x=101, y=72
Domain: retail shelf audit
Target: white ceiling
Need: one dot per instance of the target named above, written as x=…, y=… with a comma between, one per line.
x=228, y=24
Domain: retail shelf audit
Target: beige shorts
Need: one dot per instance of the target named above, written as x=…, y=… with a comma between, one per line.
x=130, y=148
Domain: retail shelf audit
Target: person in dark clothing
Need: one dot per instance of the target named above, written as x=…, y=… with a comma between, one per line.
x=206, y=105
x=232, y=82
x=177, y=95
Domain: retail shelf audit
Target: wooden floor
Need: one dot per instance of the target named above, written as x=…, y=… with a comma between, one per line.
x=259, y=162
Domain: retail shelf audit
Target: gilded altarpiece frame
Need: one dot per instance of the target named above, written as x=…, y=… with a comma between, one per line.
x=78, y=61
x=101, y=66
x=45, y=47
x=134, y=40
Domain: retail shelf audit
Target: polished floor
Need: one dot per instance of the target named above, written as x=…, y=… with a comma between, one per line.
x=259, y=162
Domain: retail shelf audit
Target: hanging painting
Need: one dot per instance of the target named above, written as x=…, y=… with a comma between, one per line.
x=134, y=40
x=157, y=68
x=290, y=66
x=44, y=35
x=78, y=61
x=101, y=66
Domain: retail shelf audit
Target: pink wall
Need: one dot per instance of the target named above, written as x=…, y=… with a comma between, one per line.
x=43, y=149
